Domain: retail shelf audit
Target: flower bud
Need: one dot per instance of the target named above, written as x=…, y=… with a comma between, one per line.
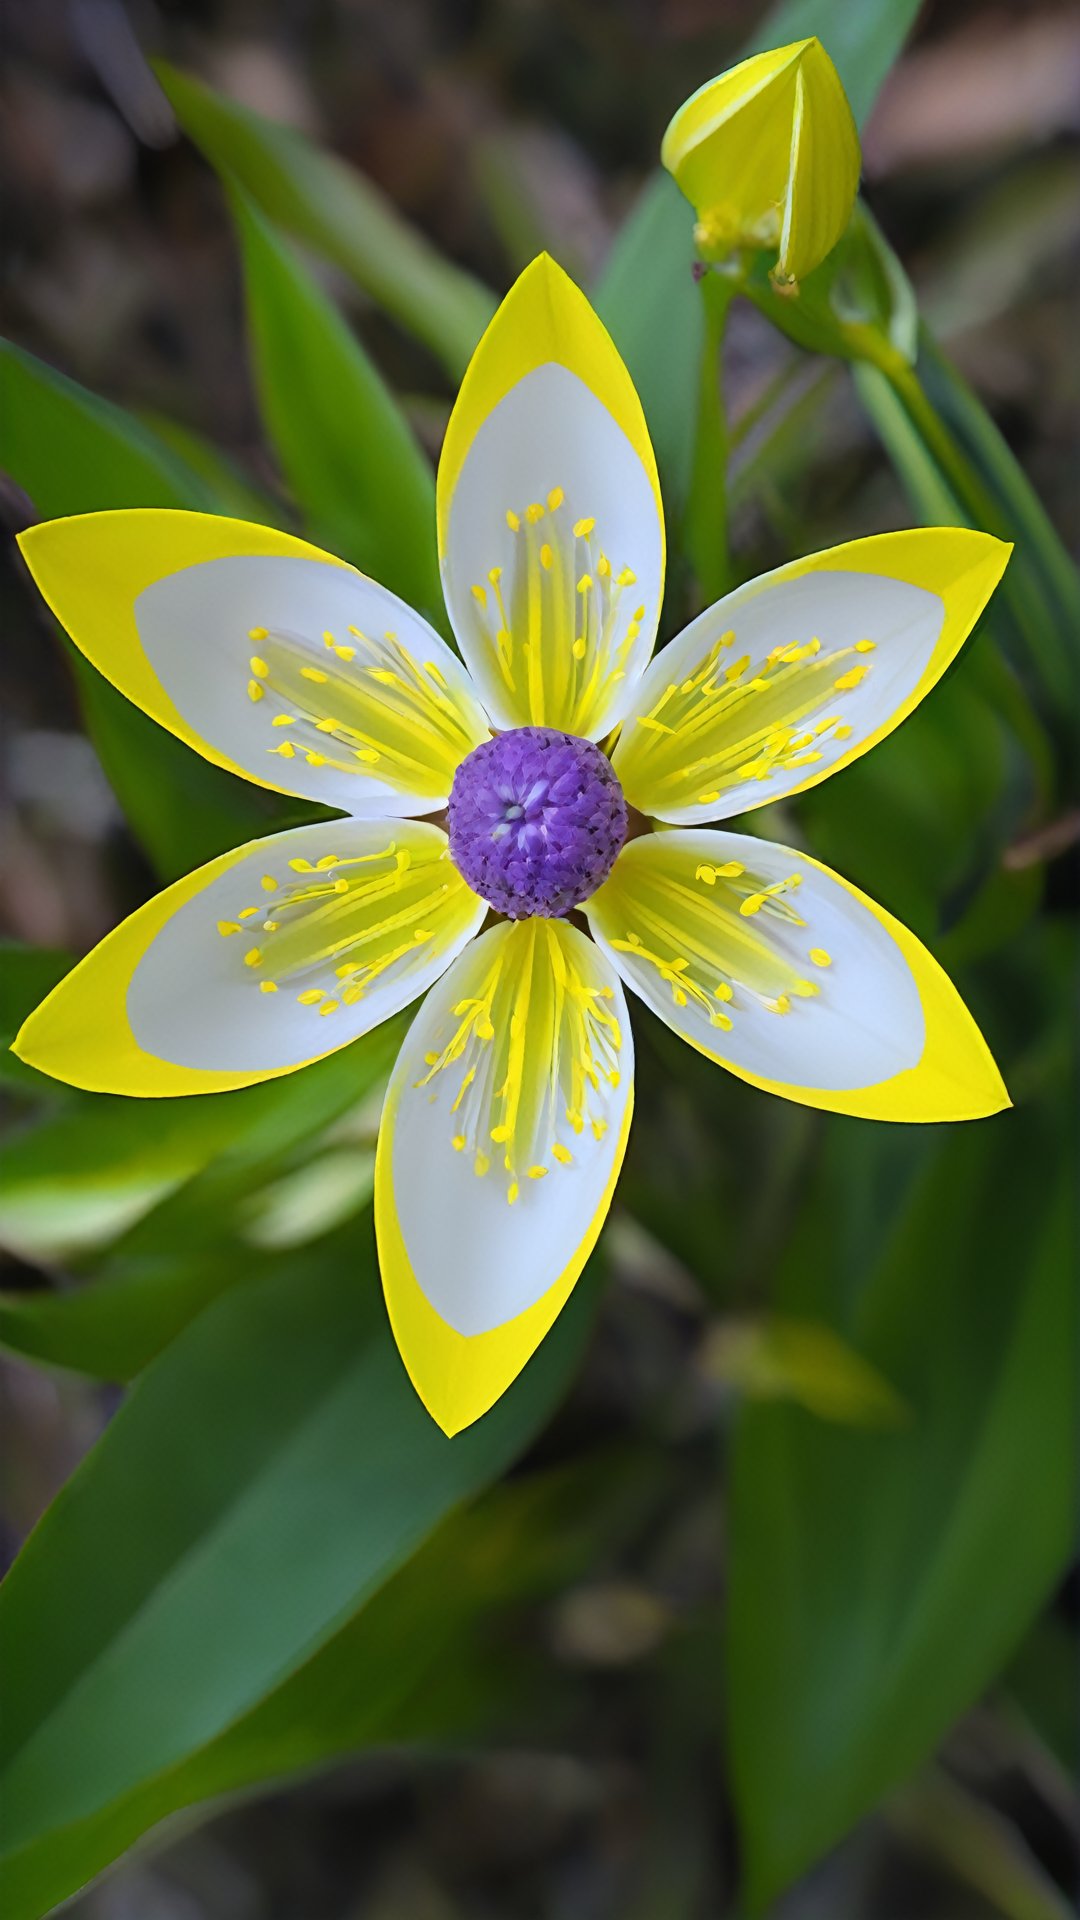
x=768, y=155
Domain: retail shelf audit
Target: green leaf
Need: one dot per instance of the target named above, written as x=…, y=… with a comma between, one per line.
x=320, y=200
x=956, y=467
x=879, y=1581
x=74, y=453
x=27, y=974
x=80, y=1177
x=231, y=490
x=651, y=306
x=421, y=1660
x=345, y=448
x=266, y=1478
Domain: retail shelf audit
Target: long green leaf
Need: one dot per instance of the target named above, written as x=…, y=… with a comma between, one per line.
x=878, y=1583
x=417, y=1662
x=326, y=203
x=78, y=1178
x=345, y=448
x=653, y=310
x=75, y=453
x=267, y=1476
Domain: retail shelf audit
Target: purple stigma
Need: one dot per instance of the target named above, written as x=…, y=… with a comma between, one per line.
x=536, y=820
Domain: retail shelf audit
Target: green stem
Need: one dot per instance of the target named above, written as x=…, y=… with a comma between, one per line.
x=706, y=521
x=972, y=494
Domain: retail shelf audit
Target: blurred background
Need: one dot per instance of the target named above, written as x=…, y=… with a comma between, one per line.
x=798, y=1527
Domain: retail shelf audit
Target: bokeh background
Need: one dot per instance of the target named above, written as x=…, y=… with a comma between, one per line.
x=798, y=1526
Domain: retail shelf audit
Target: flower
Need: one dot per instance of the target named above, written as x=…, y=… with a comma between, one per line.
x=768, y=155
x=462, y=787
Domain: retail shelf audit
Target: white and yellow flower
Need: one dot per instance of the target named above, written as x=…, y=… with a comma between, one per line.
x=768, y=156
x=507, y=1113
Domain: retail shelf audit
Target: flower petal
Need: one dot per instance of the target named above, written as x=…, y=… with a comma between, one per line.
x=264, y=960
x=551, y=530
x=518, y=1069
x=268, y=656
x=777, y=968
x=799, y=672
x=768, y=154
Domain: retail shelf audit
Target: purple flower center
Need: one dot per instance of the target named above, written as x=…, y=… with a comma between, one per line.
x=536, y=820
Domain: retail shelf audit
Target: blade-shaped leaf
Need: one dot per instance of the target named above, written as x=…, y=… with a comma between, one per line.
x=80, y=1177
x=345, y=448
x=879, y=1583
x=326, y=203
x=75, y=453
x=416, y=1662
x=268, y=1475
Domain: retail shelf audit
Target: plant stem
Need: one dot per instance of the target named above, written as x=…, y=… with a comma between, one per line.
x=706, y=520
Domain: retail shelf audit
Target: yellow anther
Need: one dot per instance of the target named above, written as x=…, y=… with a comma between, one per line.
x=311, y=998
x=368, y=755
x=722, y=991
x=268, y=986
x=226, y=927
x=781, y=1004
x=584, y=585
x=820, y=958
x=301, y=866
x=706, y=799
x=579, y=648
x=562, y=1154
x=512, y=1192
x=494, y=576
x=512, y=520
x=546, y=556
x=865, y=646
x=537, y=1173
x=246, y=913
x=313, y=673
x=253, y=958
x=315, y=759
x=286, y=751
x=329, y=1006
x=255, y=690
x=258, y=667
x=481, y=1165
x=722, y=1020
x=283, y=720
x=627, y=578
x=851, y=679
x=500, y=1134
x=603, y=567
x=843, y=733
x=479, y=594
x=257, y=633
x=555, y=498
x=534, y=512
x=583, y=528
x=345, y=653
x=752, y=904
x=268, y=883
x=328, y=638
x=459, y=1142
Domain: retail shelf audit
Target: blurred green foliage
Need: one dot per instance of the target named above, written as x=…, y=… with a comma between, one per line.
x=277, y=1559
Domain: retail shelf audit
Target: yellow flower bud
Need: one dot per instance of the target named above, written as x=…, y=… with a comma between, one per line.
x=768, y=155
